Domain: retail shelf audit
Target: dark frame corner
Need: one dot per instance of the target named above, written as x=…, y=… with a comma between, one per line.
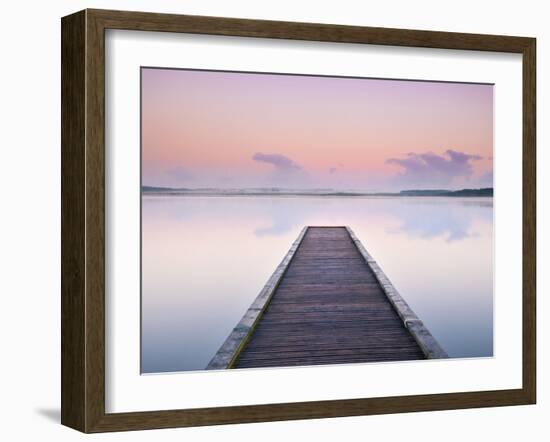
x=83, y=216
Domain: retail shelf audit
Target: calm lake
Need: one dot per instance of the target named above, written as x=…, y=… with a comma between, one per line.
x=205, y=258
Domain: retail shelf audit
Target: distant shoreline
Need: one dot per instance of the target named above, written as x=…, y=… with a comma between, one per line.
x=166, y=191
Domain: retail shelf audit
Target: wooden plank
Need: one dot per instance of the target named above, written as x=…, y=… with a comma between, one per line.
x=332, y=307
x=229, y=350
x=416, y=327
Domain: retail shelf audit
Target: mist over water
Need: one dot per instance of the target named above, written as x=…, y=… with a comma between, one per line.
x=205, y=258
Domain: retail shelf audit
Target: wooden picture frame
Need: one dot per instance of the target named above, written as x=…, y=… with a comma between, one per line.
x=83, y=219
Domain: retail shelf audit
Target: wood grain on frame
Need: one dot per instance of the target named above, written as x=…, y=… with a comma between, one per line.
x=83, y=219
x=73, y=394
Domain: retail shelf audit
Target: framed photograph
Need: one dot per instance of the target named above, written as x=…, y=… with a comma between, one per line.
x=270, y=220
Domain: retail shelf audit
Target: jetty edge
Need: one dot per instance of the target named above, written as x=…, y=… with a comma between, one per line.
x=423, y=337
x=230, y=349
x=403, y=316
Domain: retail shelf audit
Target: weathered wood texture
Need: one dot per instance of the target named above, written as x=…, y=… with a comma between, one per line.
x=328, y=308
x=230, y=349
x=73, y=222
x=422, y=336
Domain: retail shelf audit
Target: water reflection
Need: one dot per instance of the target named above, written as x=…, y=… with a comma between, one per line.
x=445, y=219
x=206, y=258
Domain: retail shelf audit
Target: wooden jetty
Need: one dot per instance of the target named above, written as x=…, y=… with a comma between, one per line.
x=328, y=302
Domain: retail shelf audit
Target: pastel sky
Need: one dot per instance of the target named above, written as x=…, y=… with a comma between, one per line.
x=236, y=130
